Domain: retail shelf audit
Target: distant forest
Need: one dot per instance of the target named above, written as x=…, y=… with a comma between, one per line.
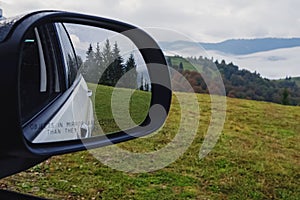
x=239, y=83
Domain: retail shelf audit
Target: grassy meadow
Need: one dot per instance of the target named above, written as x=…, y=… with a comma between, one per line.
x=256, y=157
x=106, y=98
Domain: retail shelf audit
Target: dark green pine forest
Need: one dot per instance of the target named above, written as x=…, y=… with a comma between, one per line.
x=239, y=83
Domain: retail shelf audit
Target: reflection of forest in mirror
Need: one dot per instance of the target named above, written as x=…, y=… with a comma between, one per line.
x=116, y=73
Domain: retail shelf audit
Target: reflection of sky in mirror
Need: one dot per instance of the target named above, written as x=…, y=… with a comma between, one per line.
x=82, y=36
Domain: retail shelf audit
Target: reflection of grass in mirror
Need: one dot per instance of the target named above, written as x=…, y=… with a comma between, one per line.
x=111, y=118
x=139, y=105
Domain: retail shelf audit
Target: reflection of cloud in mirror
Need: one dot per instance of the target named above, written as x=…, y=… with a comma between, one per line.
x=78, y=45
x=89, y=33
x=83, y=36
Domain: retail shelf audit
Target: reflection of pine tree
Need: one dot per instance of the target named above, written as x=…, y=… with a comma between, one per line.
x=106, y=67
x=146, y=86
x=117, y=66
x=98, y=56
x=112, y=63
x=89, y=51
x=130, y=77
x=144, y=83
x=90, y=70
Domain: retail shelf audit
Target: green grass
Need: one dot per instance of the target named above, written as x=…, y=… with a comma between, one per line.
x=256, y=157
x=138, y=107
x=186, y=64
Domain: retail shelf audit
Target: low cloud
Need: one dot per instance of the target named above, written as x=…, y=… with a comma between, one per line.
x=208, y=21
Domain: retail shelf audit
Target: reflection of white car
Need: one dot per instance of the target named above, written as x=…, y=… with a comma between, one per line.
x=43, y=81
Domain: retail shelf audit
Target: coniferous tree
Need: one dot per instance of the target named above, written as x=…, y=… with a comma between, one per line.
x=107, y=58
x=98, y=62
x=107, y=67
x=146, y=87
x=117, y=66
x=142, y=82
x=285, y=97
x=130, y=76
x=89, y=52
x=98, y=56
x=180, y=69
x=90, y=69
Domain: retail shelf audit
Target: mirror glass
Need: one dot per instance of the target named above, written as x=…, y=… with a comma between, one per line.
x=99, y=75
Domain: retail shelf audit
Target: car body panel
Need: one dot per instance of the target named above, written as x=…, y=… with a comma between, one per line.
x=68, y=123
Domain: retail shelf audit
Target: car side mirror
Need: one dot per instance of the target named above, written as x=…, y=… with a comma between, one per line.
x=77, y=82
x=81, y=61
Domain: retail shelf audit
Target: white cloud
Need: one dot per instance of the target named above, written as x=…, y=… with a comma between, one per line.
x=213, y=20
x=273, y=64
x=197, y=20
x=130, y=5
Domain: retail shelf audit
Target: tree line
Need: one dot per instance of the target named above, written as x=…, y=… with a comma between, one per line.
x=239, y=83
x=106, y=66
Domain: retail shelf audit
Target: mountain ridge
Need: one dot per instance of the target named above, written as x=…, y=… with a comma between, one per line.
x=248, y=46
x=238, y=46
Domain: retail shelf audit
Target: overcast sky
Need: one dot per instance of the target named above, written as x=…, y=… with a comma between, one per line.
x=205, y=21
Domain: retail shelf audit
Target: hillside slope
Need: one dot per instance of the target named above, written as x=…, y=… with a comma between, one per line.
x=239, y=83
x=256, y=157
